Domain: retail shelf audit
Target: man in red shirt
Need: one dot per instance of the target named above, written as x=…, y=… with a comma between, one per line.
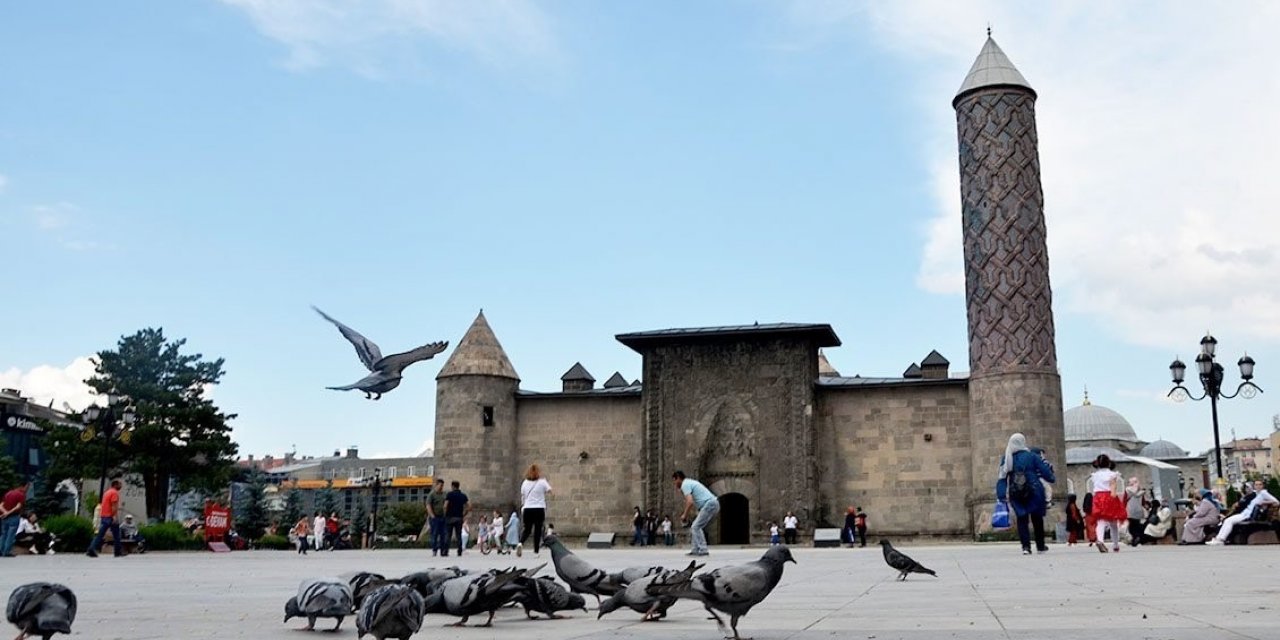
x=110, y=509
x=10, y=513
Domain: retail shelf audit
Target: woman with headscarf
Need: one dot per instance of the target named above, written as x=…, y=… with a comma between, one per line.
x=1157, y=524
x=1135, y=505
x=1108, y=506
x=1019, y=482
x=1205, y=513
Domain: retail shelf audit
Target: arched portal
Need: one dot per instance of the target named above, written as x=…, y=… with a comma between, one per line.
x=735, y=519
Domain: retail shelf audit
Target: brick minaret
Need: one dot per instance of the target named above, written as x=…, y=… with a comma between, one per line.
x=1014, y=384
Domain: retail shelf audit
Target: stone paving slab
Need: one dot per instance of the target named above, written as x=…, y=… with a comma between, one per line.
x=983, y=591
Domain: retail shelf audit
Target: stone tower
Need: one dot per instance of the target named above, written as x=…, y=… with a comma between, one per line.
x=475, y=441
x=1014, y=384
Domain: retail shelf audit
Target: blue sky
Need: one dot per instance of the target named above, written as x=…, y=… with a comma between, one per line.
x=584, y=169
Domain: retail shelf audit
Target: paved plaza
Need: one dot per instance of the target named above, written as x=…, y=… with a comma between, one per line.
x=983, y=591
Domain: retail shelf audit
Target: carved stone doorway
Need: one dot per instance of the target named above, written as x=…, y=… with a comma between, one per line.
x=735, y=519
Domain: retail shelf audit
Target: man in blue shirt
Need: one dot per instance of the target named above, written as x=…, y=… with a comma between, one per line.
x=697, y=497
x=456, y=508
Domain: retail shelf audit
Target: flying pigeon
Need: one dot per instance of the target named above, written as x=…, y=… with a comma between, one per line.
x=320, y=598
x=391, y=611
x=580, y=575
x=732, y=590
x=901, y=562
x=41, y=609
x=385, y=371
x=637, y=598
x=545, y=595
x=467, y=596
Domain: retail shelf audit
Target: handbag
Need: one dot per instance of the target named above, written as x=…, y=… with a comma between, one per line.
x=1000, y=517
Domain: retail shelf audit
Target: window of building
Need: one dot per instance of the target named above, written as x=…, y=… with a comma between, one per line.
x=431, y=470
x=486, y=416
x=411, y=472
x=391, y=472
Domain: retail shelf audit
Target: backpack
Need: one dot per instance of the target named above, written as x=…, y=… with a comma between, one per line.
x=1020, y=487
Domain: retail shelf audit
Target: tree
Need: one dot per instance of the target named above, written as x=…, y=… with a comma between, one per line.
x=179, y=434
x=251, y=508
x=71, y=458
x=9, y=477
x=402, y=519
x=293, y=506
x=327, y=499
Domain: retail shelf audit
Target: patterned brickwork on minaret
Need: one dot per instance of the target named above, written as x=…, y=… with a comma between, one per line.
x=1014, y=384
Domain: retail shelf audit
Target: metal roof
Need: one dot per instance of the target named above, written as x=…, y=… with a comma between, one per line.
x=992, y=69
x=822, y=334
x=615, y=381
x=934, y=359
x=577, y=372
x=609, y=392
x=1094, y=422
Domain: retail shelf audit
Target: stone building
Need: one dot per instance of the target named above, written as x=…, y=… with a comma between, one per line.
x=758, y=413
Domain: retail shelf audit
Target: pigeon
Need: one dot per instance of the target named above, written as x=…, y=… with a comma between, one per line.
x=426, y=582
x=902, y=563
x=635, y=596
x=580, y=575
x=466, y=596
x=545, y=595
x=41, y=609
x=364, y=583
x=391, y=611
x=320, y=598
x=631, y=574
x=385, y=371
x=732, y=590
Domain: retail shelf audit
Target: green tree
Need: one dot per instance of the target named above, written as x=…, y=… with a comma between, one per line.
x=327, y=499
x=9, y=477
x=46, y=499
x=402, y=519
x=180, y=434
x=72, y=458
x=293, y=506
x=251, y=508
x=1273, y=486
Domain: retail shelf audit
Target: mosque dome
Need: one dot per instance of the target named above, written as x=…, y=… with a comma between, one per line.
x=1162, y=449
x=1092, y=422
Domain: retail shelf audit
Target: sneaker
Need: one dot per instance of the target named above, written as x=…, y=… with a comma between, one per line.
x=91, y=554
x=1042, y=550
x=1026, y=552
x=1214, y=541
x=520, y=550
x=1102, y=548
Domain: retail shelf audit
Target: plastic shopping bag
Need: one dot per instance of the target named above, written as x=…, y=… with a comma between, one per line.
x=1000, y=518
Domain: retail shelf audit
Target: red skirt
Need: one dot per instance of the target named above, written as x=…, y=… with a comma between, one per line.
x=1108, y=507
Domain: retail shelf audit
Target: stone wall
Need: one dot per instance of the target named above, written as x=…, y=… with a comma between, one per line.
x=483, y=459
x=873, y=454
x=595, y=493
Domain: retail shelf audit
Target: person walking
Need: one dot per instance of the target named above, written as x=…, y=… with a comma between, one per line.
x=301, y=530
x=860, y=519
x=15, y=500
x=513, y=530
x=1135, y=505
x=317, y=531
x=456, y=509
x=1019, y=482
x=789, y=525
x=435, y=518
x=848, y=533
x=697, y=497
x=110, y=509
x=1075, y=521
x=1108, y=506
x=533, y=500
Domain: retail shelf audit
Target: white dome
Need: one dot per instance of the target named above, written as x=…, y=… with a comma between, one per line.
x=1092, y=422
x=1162, y=449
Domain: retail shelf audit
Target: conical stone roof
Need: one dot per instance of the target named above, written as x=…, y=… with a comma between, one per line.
x=825, y=370
x=479, y=354
x=992, y=69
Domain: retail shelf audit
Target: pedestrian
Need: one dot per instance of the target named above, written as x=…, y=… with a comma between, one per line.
x=848, y=533
x=1108, y=506
x=300, y=531
x=513, y=530
x=109, y=513
x=482, y=530
x=1075, y=521
x=497, y=532
x=773, y=533
x=15, y=500
x=1090, y=520
x=668, y=536
x=1135, y=505
x=1019, y=483
x=533, y=500
x=435, y=517
x=651, y=528
x=331, y=531
x=637, y=527
x=789, y=525
x=456, y=509
x=697, y=497
x=861, y=520
x=317, y=531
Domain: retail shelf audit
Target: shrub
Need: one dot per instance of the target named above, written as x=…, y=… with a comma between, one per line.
x=169, y=536
x=74, y=532
x=272, y=541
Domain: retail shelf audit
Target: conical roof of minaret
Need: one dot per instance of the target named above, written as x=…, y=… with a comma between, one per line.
x=479, y=354
x=992, y=69
x=825, y=370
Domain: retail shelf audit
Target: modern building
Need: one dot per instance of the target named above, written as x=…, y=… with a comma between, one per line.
x=22, y=423
x=355, y=480
x=758, y=414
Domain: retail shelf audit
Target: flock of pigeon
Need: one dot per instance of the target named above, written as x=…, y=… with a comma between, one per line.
x=395, y=608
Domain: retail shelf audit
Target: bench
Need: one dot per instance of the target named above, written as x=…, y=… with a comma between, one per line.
x=826, y=537
x=1264, y=531
x=601, y=540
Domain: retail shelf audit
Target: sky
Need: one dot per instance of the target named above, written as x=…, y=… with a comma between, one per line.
x=582, y=169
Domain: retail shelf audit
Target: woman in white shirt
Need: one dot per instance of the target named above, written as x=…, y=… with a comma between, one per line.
x=533, y=501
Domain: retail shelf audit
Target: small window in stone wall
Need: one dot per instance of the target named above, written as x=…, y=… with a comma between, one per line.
x=486, y=416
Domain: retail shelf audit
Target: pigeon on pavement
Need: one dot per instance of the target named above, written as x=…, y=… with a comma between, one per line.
x=467, y=596
x=321, y=598
x=733, y=590
x=637, y=598
x=41, y=609
x=425, y=582
x=364, y=583
x=545, y=595
x=391, y=611
x=580, y=575
x=900, y=561
x=386, y=372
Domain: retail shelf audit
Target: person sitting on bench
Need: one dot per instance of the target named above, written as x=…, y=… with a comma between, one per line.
x=30, y=535
x=1255, y=506
x=129, y=533
x=1158, y=522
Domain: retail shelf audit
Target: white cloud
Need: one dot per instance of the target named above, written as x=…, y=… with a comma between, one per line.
x=52, y=217
x=369, y=36
x=1158, y=145
x=47, y=383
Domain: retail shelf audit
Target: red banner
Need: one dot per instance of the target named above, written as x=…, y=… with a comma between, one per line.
x=217, y=521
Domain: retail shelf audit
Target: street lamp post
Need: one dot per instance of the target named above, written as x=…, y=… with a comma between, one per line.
x=1211, y=377
x=116, y=420
x=377, y=489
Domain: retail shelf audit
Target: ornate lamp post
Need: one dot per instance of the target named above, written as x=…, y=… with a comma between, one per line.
x=377, y=490
x=115, y=421
x=1211, y=377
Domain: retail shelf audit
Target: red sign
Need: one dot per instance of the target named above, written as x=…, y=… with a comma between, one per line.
x=217, y=521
